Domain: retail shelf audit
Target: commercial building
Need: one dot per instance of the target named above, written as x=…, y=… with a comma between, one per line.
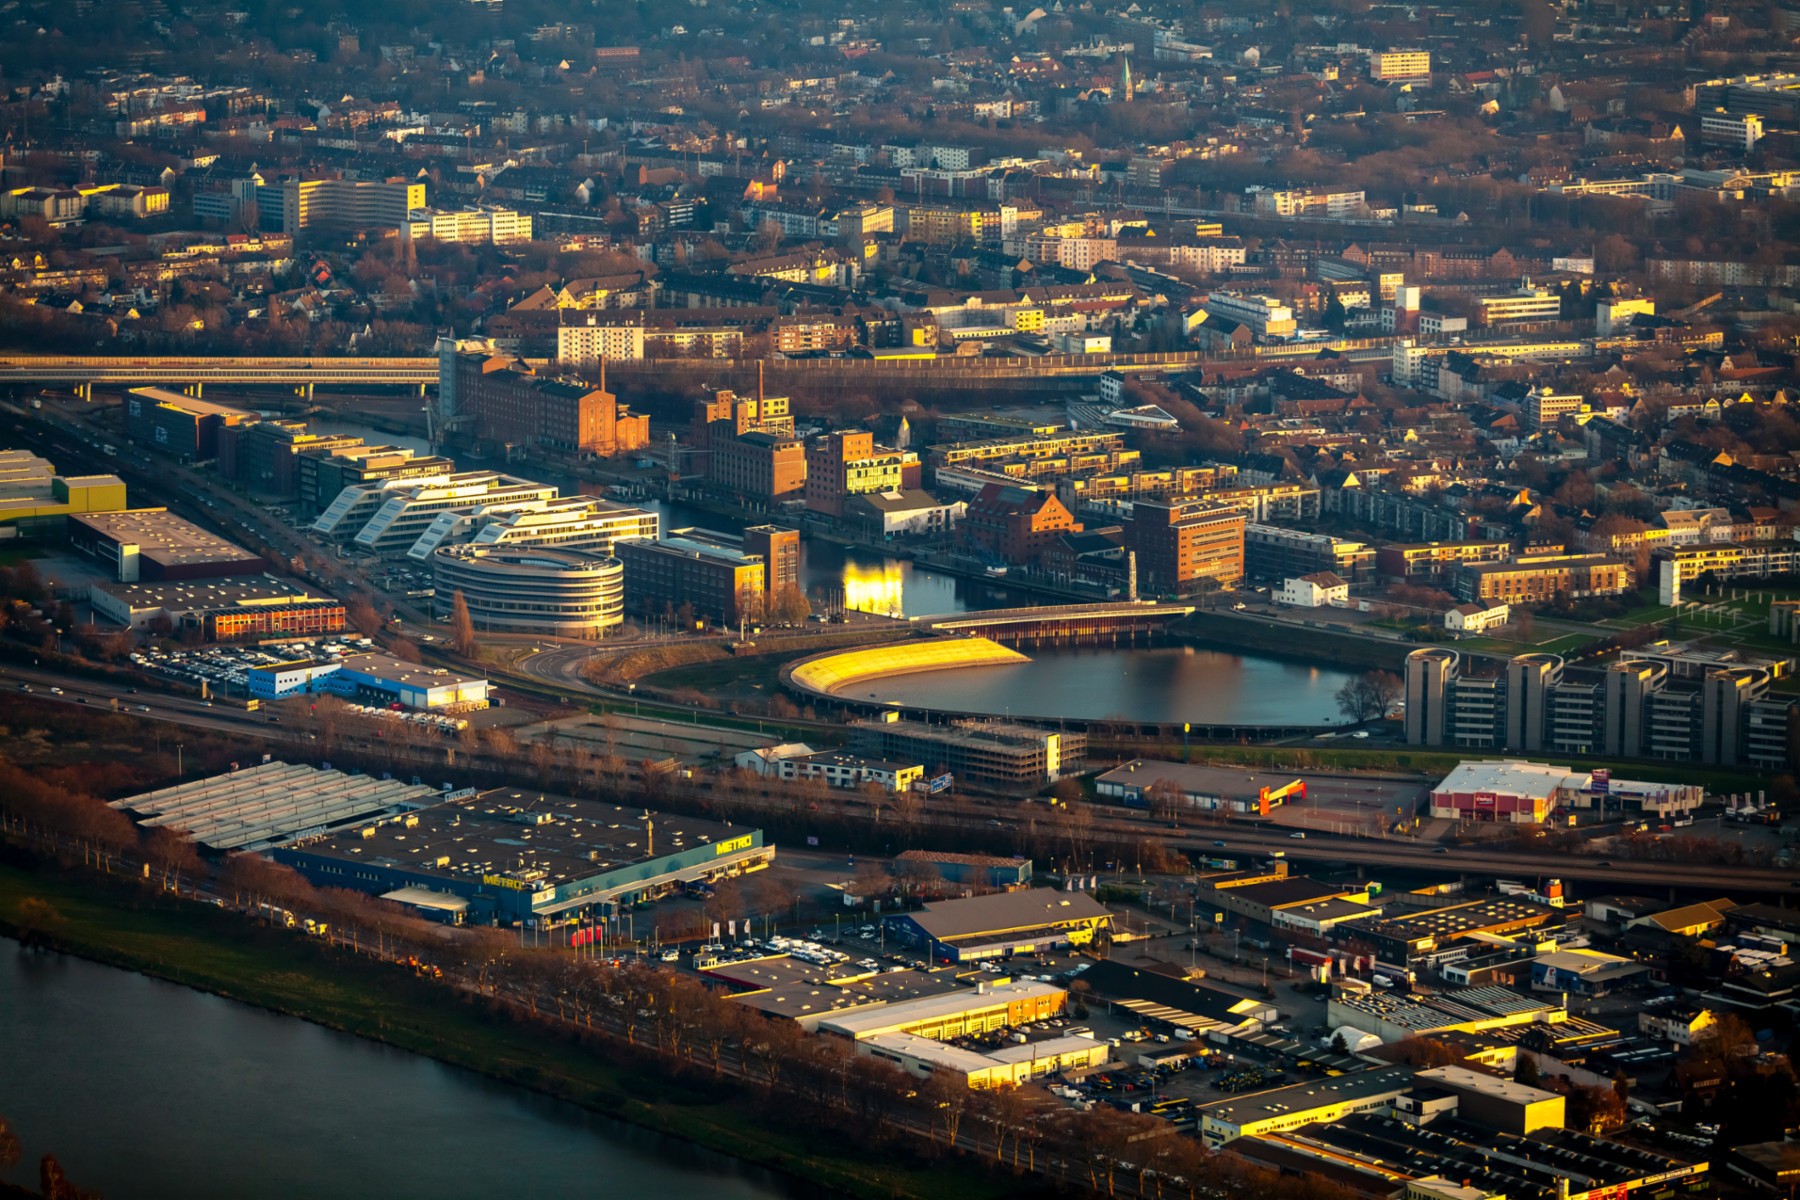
x=516, y=856
x=273, y=804
x=1186, y=546
x=1666, y=703
x=1166, y=1000
x=1208, y=788
x=1304, y=202
x=983, y=1009
x=1524, y=792
x=911, y=512
x=1452, y=1159
x=712, y=576
x=846, y=463
x=183, y=426
x=779, y=548
x=531, y=589
x=35, y=500
x=1395, y=1018
x=321, y=478
x=154, y=545
x=1001, y=925
x=1266, y=317
x=485, y=224
x=1284, y=1108
x=1274, y=552
x=840, y=770
x=500, y=400
x=1268, y=899
x=1009, y=1066
x=1533, y=305
x=389, y=518
x=1544, y=409
x=375, y=679
x=1387, y=66
x=1775, y=95
x=340, y=204
x=990, y=754
x=223, y=609
x=585, y=523
x=264, y=455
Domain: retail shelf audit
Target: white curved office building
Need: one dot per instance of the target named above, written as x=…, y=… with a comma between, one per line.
x=532, y=589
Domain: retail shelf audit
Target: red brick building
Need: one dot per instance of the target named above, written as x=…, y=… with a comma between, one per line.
x=1016, y=523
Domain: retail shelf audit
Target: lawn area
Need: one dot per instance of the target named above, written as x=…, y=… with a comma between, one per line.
x=1556, y=645
x=290, y=973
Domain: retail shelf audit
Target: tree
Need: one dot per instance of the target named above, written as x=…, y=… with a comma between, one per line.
x=1525, y=1070
x=789, y=605
x=1370, y=696
x=462, y=628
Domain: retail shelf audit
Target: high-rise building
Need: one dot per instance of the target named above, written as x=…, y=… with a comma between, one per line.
x=589, y=340
x=1669, y=704
x=779, y=549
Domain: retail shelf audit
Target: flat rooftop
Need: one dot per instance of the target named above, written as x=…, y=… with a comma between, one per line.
x=935, y=1008
x=1507, y=778
x=787, y=987
x=273, y=803
x=205, y=593
x=1005, y=912
x=190, y=404
x=398, y=670
x=162, y=535
x=537, y=841
x=1306, y=1097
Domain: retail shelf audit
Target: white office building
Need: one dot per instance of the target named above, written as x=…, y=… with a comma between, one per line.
x=585, y=523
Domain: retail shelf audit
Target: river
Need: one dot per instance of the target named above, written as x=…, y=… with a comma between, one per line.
x=1165, y=684
x=146, y=1089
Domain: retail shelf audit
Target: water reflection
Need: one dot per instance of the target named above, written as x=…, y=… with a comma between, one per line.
x=875, y=587
x=1165, y=684
x=143, y=1088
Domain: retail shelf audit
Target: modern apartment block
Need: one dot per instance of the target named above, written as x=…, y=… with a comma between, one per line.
x=1275, y=552
x=1434, y=563
x=486, y=224
x=1539, y=579
x=1667, y=704
x=341, y=204
x=589, y=340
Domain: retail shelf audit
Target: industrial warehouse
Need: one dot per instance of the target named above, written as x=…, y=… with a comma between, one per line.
x=1003, y=924
x=518, y=856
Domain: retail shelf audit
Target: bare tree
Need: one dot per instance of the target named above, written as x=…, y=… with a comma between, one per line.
x=462, y=628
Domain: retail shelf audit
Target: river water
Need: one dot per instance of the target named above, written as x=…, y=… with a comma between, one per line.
x=145, y=1089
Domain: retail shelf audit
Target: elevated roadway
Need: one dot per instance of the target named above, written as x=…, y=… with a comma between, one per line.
x=1062, y=624
x=150, y=370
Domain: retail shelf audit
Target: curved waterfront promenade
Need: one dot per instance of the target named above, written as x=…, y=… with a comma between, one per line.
x=829, y=673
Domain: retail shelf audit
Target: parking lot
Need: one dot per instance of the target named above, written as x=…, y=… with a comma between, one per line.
x=225, y=669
